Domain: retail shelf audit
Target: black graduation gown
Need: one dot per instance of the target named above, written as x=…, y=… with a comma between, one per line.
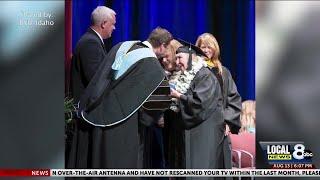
x=151, y=144
x=117, y=146
x=231, y=102
x=194, y=136
x=231, y=110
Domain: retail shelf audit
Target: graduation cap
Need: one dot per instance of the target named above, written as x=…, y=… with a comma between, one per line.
x=187, y=47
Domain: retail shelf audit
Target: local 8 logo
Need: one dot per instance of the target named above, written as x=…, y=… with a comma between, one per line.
x=300, y=153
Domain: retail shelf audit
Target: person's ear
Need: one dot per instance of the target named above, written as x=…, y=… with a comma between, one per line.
x=103, y=24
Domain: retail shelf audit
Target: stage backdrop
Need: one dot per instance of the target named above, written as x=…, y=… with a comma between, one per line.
x=231, y=22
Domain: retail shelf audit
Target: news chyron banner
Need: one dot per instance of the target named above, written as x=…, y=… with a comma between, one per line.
x=287, y=155
x=163, y=172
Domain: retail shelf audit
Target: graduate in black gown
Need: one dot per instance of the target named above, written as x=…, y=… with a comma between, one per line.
x=107, y=126
x=231, y=98
x=195, y=127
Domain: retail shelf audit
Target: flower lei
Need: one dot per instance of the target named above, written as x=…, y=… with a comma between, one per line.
x=182, y=80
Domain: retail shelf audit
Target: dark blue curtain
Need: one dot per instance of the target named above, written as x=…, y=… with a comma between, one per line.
x=230, y=21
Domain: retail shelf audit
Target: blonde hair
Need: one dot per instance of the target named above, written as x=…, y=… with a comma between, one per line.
x=209, y=40
x=248, y=115
x=173, y=46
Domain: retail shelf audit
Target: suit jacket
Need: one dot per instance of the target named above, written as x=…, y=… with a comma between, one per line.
x=88, y=55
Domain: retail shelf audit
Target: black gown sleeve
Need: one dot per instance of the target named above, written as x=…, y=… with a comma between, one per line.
x=200, y=100
x=233, y=106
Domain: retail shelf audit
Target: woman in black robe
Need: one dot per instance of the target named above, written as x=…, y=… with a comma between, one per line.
x=231, y=98
x=194, y=125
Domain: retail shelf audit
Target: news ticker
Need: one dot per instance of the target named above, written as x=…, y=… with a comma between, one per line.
x=162, y=172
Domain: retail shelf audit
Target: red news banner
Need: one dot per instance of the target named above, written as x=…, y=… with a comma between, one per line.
x=161, y=172
x=24, y=172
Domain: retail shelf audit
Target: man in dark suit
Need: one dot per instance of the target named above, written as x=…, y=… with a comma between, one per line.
x=90, y=49
x=88, y=54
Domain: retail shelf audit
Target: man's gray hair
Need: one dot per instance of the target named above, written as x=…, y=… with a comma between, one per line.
x=100, y=14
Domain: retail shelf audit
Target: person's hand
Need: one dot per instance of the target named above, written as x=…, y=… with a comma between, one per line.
x=161, y=122
x=227, y=130
x=175, y=94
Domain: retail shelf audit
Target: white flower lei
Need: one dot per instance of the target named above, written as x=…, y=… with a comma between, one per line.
x=182, y=80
